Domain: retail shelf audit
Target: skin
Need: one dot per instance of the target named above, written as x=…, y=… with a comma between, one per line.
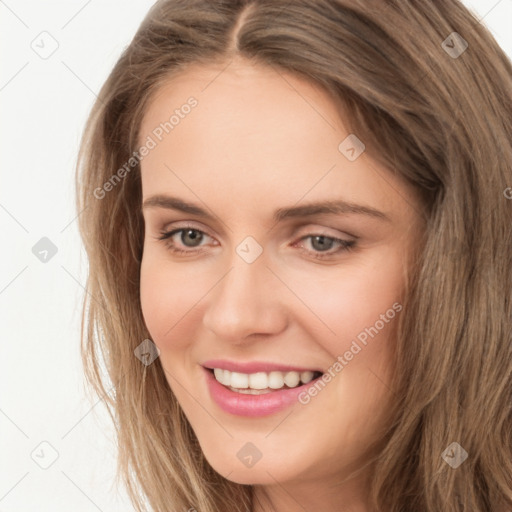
x=257, y=141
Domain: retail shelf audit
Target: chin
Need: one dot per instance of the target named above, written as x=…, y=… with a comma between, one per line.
x=251, y=476
x=262, y=472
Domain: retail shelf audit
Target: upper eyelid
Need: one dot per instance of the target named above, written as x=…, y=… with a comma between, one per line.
x=301, y=237
x=177, y=229
x=323, y=231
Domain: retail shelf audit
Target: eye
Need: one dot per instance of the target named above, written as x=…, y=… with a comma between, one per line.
x=323, y=244
x=188, y=237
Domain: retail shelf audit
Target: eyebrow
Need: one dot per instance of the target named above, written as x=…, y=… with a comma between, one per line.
x=336, y=207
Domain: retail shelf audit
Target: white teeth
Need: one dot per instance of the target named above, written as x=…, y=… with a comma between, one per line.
x=238, y=380
x=258, y=380
x=275, y=380
x=219, y=374
x=306, y=377
x=291, y=379
x=261, y=380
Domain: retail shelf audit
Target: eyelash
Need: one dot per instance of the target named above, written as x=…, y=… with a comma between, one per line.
x=345, y=245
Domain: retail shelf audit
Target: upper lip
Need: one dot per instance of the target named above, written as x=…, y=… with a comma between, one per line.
x=255, y=366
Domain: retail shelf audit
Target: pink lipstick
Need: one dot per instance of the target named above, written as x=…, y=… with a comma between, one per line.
x=261, y=401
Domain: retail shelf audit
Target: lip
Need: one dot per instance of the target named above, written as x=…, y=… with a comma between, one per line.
x=255, y=366
x=240, y=404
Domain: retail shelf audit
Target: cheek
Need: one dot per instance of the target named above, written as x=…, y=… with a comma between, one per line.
x=351, y=303
x=169, y=299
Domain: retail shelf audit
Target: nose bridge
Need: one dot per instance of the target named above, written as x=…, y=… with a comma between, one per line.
x=244, y=301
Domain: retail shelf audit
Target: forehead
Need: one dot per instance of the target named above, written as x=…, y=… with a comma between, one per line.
x=235, y=82
x=242, y=107
x=256, y=133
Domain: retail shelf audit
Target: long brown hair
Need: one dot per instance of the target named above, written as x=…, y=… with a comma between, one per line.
x=429, y=90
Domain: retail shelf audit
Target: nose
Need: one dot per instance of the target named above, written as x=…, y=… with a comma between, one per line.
x=246, y=301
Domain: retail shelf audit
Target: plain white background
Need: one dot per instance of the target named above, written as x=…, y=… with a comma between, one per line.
x=44, y=102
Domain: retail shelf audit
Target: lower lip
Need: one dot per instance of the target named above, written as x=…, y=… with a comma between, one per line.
x=242, y=404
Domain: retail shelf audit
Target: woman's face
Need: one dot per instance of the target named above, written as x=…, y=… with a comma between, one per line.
x=260, y=275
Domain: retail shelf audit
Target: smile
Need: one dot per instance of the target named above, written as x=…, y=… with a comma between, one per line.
x=262, y=382
x=257, y=393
